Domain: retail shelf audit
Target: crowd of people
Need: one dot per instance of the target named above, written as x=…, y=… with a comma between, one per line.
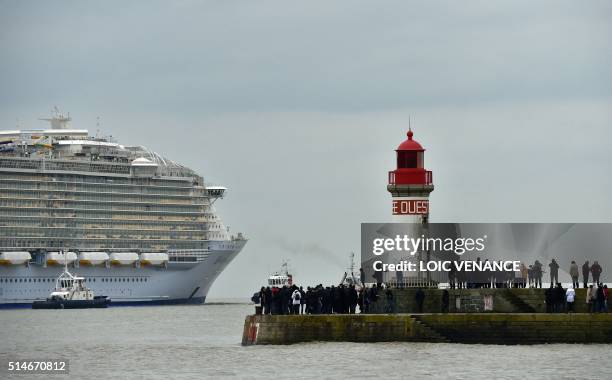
x=560, y=300
x=346, y=298
x=342, y=299
x=528, y=276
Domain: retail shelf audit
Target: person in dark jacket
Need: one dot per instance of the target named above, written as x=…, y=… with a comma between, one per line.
x=559, y=298
x=586, y=269
x=343, y=303
x=548, y=298
x=600, y=299
x=554, y=272
x=537, y=274
x=390, y=309
x=277, y=301
x=445, y=301
x=284, y=296
x=328, y=300
x=419, y=297
x=365, y=294
x=336, y=301
x=268, y=303
x=596, y=271
x=452, y=277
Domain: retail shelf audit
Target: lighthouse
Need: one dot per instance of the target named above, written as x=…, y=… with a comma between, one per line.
x=410, y=183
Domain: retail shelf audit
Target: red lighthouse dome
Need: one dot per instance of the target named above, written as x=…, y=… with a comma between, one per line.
x=410, y=144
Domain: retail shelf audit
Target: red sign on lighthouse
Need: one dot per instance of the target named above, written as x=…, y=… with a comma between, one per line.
x=411, y=207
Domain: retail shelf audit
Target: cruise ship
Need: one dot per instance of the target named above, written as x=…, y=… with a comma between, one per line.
x=140, y=228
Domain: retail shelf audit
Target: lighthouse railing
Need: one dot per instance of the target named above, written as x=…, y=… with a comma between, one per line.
x=410, y=177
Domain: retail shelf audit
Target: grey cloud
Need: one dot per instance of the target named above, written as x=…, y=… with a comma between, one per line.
x=297, y=107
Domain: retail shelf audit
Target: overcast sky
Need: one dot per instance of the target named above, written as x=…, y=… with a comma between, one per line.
x=298, y=107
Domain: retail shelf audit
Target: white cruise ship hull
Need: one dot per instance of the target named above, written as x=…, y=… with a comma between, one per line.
x=178, y=283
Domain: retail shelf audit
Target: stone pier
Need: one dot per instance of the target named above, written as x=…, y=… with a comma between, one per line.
x=486, y=328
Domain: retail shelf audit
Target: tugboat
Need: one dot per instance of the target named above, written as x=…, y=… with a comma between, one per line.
x=71, y=293
x=282, y=278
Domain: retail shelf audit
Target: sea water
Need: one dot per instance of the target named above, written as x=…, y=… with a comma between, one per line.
x=200, y=342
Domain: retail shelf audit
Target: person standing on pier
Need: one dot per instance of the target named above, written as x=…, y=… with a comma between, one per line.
x=302, y=301
x=452, y=276
x=590, y=298
x=560, y=298
x=574, y=274
x=530, y=276
x=600, y=299
x=537, y=274
x=525, y=275
x=390, y=309
x=548, y=299
x=268, y=301
x=419, y=297
x=586, y=269
x=296, y=298
x=352, y=299
x=596, y=271
x=445, y=301
x=554, y=272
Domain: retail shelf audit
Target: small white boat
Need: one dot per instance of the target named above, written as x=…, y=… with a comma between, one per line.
x=71, y=293
x=282, y=278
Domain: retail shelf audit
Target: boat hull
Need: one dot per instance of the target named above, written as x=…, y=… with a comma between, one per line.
x=96, y=303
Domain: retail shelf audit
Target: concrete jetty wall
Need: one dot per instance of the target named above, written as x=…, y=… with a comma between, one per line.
x=489, y=328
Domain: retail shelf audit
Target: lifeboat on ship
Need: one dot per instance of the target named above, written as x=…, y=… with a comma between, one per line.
x=61, y=258
x=123, y=258
x=153, y=258
x=93, y=258
x=15, y=258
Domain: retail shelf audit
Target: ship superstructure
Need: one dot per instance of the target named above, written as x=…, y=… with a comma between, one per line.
x=138, y=226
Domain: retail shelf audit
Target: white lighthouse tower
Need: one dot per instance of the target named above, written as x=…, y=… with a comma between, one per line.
x=410, y=185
